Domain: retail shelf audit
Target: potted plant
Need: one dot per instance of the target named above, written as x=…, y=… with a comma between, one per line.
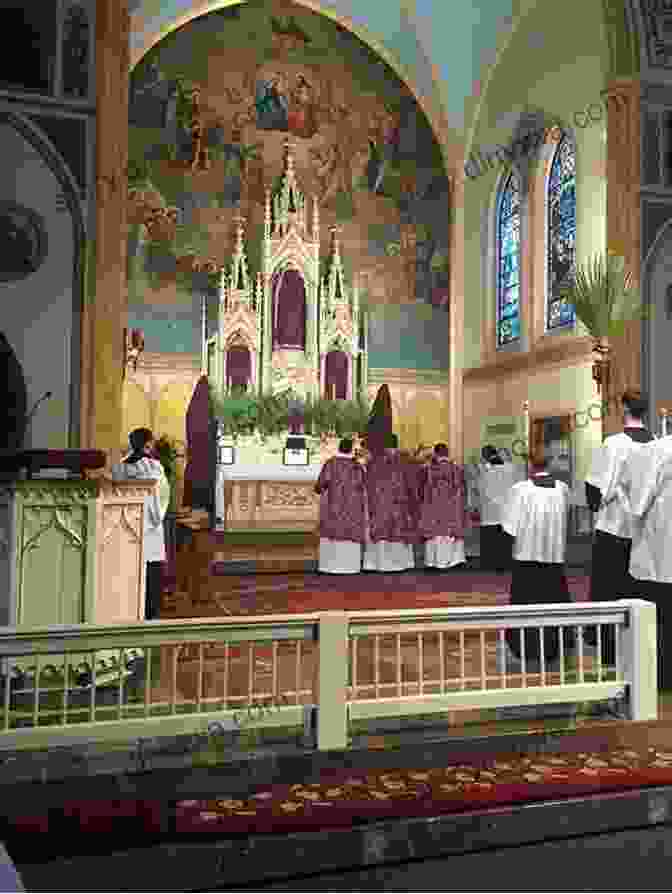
x=605, y=300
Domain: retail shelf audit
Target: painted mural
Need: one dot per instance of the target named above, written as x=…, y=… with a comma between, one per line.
x=210, y=108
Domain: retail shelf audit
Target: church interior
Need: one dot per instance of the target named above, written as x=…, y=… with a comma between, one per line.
x=246, y=220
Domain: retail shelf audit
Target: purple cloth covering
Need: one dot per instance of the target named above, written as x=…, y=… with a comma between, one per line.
x=443, y=495
x=342, y=489
x=336, y=375
x=238, y=366
x=201, y=450
x=390, y=499
x=289, y=310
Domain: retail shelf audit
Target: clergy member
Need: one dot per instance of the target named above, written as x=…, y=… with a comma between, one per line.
x=648, y=487
x=495, y=480
x=443, y=517
x=140, y=465
x=535, y=516
x=342, y=490
x=610, y=578
x=390, y=535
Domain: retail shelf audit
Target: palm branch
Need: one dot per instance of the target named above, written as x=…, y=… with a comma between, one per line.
x=604, y=296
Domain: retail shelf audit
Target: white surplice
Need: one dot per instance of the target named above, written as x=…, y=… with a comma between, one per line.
x=606, y=474
x=339, y=556
x=647, y=482
x=388, y=556
x=537, y=518
x=494, y=487
x=156, y=505
x=444, y=552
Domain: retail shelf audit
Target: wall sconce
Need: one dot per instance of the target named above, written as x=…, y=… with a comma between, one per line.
x=601, y=365
x=135, y=345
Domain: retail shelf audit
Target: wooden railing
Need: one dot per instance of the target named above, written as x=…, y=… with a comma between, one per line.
x=82, y=683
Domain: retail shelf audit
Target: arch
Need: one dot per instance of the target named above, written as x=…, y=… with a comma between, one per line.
x=289, y=312
x=337, y=374
x=238, y=367
x=560, y=232
x=508, y=218
x=431, y=107
x=61, y=171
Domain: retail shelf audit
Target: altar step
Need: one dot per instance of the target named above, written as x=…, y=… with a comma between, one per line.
x=202, y=551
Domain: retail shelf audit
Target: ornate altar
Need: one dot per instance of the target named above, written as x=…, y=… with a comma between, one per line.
x=289, y=325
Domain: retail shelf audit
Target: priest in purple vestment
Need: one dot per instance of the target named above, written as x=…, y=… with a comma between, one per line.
x=443, y=516
x=391, y=532
x=342, y=490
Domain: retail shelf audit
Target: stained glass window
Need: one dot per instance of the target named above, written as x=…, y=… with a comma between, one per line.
x=508, y=262
x=561, y=234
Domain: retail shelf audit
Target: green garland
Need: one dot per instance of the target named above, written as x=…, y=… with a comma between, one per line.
x=268, y=414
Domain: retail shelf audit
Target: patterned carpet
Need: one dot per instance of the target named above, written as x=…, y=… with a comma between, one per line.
x=296, y=593
x=345, y=798
x=339, y=799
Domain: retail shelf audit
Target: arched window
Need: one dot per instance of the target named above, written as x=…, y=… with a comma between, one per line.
x=508, y=262
x=561, y=239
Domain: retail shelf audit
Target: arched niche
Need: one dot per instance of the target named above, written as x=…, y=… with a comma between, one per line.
x=239, y=363
x=336, y=374
x=288, y=289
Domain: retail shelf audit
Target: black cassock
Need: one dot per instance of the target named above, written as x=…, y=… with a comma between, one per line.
x=610, y=577
x=533, y=583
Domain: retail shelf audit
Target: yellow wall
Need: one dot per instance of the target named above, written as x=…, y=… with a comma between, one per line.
x=555, y=64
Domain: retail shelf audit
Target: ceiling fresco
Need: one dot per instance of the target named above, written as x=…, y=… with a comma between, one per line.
x=361, y=145
x=445, y=46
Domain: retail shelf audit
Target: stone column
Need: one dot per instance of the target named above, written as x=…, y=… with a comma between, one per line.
x=107, y=312
x=623, y=229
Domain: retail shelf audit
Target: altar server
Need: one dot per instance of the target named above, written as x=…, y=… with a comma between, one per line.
x=342, y=490
x=140, y=465
x=648, y=487
x=535, y=516
x=495, y=480
x=443, y=517
x=390, y=536
x=610, y=578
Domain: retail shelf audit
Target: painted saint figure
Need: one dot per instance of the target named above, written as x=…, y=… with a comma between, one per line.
x=271, y=103
x=301, y=120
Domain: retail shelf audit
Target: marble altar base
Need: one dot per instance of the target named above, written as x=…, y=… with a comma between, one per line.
x=266, y=497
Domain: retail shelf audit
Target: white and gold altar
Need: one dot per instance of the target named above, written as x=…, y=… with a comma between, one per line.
x=296, y=324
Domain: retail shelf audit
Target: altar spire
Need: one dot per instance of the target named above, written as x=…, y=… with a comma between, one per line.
x=288, y=203
x=239, y=281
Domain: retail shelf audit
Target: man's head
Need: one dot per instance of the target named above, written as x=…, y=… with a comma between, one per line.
x=489, y=454
x=634, y=407
x=140, y=440
x=345, y=446
x=441, y=450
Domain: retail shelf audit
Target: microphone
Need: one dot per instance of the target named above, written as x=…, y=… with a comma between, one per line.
x=34, y=408
x=45, y=396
